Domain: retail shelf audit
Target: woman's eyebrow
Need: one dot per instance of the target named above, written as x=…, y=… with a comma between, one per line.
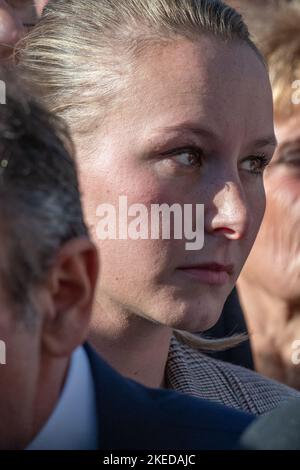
x=191, y=128
x=266, y=141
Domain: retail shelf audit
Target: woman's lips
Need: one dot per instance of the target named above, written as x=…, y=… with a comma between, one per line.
x=209, y=273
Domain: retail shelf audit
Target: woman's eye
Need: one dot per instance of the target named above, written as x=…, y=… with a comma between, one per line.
x=187, y=157
x=255, y=164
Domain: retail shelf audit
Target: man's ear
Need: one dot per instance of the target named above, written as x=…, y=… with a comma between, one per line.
x=70, y=289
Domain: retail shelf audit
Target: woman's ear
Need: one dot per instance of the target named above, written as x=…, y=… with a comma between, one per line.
x=70, y=289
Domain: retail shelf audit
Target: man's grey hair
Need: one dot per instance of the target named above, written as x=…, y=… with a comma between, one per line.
x=40, y=205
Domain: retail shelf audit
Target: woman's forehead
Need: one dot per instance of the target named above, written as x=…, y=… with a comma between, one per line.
x=205, y=59
x=190, y=78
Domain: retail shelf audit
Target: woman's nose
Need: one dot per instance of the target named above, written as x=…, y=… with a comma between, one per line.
x=228, y=213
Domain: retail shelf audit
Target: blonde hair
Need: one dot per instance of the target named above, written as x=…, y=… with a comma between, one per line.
x=79, y=55
x=280, y=44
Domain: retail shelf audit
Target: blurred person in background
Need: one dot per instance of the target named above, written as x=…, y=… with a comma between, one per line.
x=269, y=285
x=153, y=120
x=16, y=18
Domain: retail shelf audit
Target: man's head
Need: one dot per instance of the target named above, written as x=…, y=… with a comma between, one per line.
x=48, y=265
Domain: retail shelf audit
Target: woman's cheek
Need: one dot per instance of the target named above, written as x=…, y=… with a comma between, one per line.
x=280, y=230
x=283, y=190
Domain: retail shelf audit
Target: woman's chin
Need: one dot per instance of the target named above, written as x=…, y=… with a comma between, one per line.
x=194, y=319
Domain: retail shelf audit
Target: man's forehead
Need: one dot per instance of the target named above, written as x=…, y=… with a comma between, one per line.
x=20, y=3
x=28, y=8
x=24, y=10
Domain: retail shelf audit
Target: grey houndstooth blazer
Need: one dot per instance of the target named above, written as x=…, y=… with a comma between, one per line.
x=192, y=372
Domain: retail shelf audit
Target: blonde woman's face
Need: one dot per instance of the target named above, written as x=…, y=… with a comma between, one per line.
x=193, y=126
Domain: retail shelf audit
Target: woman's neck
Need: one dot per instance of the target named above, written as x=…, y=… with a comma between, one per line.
x=135, y=346
x=274, y=325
